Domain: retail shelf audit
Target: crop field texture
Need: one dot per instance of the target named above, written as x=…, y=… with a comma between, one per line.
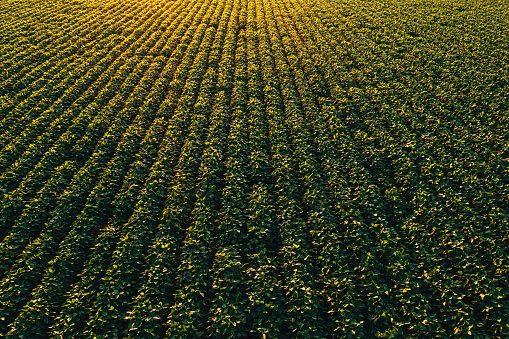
x=254, y=169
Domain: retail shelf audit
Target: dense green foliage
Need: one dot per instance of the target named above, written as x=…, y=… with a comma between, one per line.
x=254, y=169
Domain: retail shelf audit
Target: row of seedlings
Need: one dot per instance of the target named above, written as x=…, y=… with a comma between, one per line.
x=465, y=234
x=61, y=126
x=128, y=190
x=409, y=171
x=18, y=19
x=21, y=113
x=150, y=304
x=25, y=41
x=334, y=242
x=415, y=290
x=35, y=214
x=328, y=230
x=97, y=38
x=454, y=197
x=329, y=218
x=73, y=250
x=115, y=109
x=97, y=24
x=379, y=291
x=339, y=275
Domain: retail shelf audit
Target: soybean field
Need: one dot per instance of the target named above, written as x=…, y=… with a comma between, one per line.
x=254, y=169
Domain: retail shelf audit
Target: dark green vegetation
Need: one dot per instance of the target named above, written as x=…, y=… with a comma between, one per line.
x=254, y=168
